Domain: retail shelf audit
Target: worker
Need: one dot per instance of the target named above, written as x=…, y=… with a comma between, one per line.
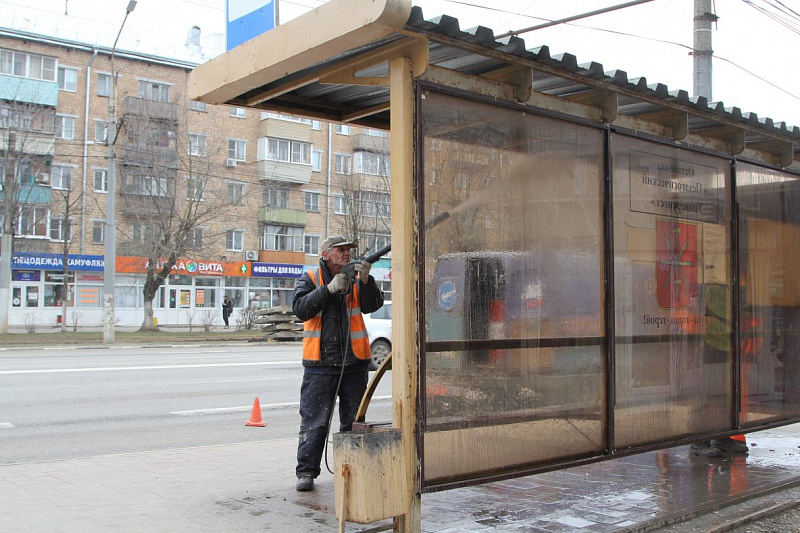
x=335, y=347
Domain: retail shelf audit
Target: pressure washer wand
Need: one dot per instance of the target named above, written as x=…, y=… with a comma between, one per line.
x=350, y=268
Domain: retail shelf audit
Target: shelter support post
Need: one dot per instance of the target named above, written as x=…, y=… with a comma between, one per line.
x=404, y=352
x=377, y=472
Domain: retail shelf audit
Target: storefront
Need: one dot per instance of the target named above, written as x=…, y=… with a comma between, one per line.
x=37, y=289
x=192, y=294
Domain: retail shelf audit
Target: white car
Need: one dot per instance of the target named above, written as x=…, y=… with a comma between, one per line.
x=379, y=330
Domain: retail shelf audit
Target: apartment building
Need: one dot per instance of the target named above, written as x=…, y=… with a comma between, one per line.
x=240, y=198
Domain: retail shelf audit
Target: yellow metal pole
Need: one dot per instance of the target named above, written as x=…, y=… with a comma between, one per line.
x=404, y=349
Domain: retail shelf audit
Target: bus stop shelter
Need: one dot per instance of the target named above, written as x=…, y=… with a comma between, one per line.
x=584, y=265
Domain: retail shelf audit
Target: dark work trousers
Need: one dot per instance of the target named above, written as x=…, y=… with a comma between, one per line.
x=316, y=401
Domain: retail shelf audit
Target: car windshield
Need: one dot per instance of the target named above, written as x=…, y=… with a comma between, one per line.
x=383, y=312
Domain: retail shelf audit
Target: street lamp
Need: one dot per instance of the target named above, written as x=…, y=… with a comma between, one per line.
x=110, y=237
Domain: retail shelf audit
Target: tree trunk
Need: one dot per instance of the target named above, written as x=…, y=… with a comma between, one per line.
x=148, y=324
x=64, y=314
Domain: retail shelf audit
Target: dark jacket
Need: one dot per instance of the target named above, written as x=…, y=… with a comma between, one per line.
x=309, y=299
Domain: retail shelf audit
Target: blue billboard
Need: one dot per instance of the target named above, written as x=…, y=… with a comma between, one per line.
x=247, y=19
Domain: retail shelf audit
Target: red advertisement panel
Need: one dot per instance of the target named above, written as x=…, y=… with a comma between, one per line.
x=676, y=263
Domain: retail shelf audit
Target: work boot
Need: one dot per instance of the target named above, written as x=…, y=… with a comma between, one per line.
x=729, y=445
x=304, y=484
x=705, y=449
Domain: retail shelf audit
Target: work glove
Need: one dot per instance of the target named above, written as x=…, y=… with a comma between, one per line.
x=363, y=268
x=338, y=284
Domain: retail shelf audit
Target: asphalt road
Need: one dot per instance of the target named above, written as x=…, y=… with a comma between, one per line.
x=81, y=402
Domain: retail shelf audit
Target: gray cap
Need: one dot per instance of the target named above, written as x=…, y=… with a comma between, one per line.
x=337, y=240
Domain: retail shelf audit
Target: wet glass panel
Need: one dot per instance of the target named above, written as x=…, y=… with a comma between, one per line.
x=769, y=294
x=513, y=369
x=672, y=285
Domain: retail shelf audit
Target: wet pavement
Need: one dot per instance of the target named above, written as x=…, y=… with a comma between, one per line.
x=250, y=487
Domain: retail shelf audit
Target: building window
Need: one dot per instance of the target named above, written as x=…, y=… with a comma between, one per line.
x=103, y=84
x=151, y=90
x=27, y=65
x=32, y=222
x=288, y=151
x=375, y=243
x=61, y=177
x=316, y=125
x=197, y=144
x=275, y=197
x=311, y=244
x=25, y=173
x=375, y=204
x=67, y=79
x=195, y=239
x=237, y=149
x=98, y=231
x=342, y=163
x=312, y=202
x=283, y=238
x=238, y=112
x=196, y=105
x=342, y=129
x=65, y=127
x=100, y=180
x=375, y=133
x=195, y=188
x=100, y=131
x=234, y=240
x=316, y=160
x=147, y=233
x=60, y=229
x=372, y=163
x=340, y=205
x=236, y=193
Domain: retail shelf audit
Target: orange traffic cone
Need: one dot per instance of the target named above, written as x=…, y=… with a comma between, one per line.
x=255, y=416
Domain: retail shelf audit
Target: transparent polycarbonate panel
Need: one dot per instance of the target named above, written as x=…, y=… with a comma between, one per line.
x=513, y=298
x=769, y=295
x=672, y=289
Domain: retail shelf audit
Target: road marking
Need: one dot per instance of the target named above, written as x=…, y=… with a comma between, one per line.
x=6, y=425
x=153, y=367
x=246, y=408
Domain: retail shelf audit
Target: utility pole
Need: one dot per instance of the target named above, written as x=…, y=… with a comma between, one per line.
x=110, y=237
x=703, y=53
x=8, y=229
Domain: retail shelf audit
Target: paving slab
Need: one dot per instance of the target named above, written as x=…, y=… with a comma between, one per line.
x=250, y=487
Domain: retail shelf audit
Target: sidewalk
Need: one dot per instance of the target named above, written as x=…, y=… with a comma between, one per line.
x=250, y=487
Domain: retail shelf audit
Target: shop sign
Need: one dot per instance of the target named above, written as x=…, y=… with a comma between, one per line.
x=85, y=263
x=26, y=275
x=276, y=270
x=197, y=267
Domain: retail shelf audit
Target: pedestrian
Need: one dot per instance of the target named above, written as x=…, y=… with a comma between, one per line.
x=227, y=310
x=335, y=347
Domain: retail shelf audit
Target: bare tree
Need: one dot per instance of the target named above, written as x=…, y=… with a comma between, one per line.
x=170, y=190
x=365, y=201
x=66, y=202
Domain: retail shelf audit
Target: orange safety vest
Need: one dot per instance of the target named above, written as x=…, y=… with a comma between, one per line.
x=312, y=328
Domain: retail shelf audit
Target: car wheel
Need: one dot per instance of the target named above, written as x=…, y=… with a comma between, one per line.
x=380, y=349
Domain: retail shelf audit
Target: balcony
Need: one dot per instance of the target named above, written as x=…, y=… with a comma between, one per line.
x=282, y=216
x=138, y=205
x=371, y=143
x=283, y=172
x=30, y=142
x=284, y=129
x=30, y=194
x=150, y=157
x=152, y=109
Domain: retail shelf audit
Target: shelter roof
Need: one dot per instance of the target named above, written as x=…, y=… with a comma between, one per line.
x=342, y=76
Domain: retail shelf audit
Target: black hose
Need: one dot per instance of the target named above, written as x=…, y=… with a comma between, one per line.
x=339, y=382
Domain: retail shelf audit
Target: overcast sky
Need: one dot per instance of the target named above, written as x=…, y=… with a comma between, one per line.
x=755, y=65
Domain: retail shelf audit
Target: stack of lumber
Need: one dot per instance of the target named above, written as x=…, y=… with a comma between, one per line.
x=279, y=324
